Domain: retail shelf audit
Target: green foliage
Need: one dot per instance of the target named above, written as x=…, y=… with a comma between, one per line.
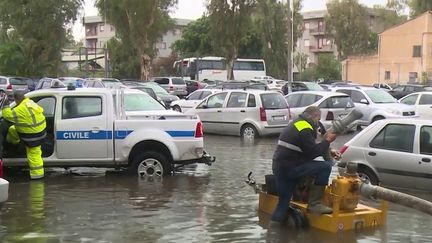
x=229, y=23
x=327, y=68
x=346, y=23
x=140, y=24
x=124, y=59
x=391, y=14
x=418, y=7
x=195, y=40
x=272, y=21
x=32, y=34
x=300, y=61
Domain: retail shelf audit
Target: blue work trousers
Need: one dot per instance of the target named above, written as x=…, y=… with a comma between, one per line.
x=287, y=178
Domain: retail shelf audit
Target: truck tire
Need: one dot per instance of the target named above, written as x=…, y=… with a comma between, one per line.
x=150, y=164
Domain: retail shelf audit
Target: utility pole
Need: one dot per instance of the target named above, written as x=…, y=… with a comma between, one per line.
x=290, y=44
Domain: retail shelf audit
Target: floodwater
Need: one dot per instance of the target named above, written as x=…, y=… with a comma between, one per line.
x=198, y=204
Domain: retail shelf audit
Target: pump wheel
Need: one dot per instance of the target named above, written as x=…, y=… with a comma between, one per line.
x=248, y=131
x=150, y=164
x=367, y=175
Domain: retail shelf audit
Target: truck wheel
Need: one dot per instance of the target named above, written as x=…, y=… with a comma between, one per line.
x=248, y=131
x=177, y=108
x=150, y=164
x=367, y=175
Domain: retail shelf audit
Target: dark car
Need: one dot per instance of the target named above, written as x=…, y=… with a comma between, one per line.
x=48, y=83
x=402, y=90
x=161, y=94
x=192, y=85
x=302, y=86
x=76, y=82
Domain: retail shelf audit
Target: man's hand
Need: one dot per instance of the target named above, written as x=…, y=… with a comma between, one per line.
x=335, y=154
x=330, y=136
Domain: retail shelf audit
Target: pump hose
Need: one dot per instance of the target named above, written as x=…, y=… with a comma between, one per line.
x=378, y=192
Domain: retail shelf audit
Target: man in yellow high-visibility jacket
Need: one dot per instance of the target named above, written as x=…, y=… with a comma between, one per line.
x=29, y=127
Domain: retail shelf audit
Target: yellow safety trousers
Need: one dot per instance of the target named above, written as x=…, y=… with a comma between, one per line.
x=34, y=154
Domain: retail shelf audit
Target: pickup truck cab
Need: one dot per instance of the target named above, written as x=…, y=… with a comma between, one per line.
x=114, y=128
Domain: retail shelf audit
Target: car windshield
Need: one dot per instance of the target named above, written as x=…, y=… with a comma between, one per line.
x=17, y=81
x=273, y=101
x=157, y=89
x=313, y=86
x=178, y=81
x=380, y=96
x=141, y=102
x=110, y=80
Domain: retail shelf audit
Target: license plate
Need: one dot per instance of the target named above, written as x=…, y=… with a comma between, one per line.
x=279, y=118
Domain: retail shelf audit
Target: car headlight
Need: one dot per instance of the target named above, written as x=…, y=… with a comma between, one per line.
x=394, y=111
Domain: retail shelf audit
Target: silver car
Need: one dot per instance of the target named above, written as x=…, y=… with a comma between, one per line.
x=248, y=113
x=395, y=152
x=173, y=85
x=376, y=104
x=332, y=105
x=8, y=84
x=422, y=103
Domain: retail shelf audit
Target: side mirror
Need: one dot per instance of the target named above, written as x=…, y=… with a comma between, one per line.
x=186, y=98
x=204, y=106
x=364, y=101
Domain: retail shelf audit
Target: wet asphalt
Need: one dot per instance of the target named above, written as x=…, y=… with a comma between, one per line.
x=197, y=204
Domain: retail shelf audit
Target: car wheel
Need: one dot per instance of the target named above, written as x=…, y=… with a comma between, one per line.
x=150, y=164
x=377, y=118
x=367, y=175
x=248, y=131
x=177, y=108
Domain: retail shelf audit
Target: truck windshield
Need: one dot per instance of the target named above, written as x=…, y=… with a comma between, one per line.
x=141, y=102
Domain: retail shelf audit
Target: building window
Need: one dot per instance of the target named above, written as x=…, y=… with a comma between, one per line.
x=412, y=77
x=320, y=26
x=306, y=25
x=387, y=75
x=417, y=51
x=101, y=28
x=306, y=43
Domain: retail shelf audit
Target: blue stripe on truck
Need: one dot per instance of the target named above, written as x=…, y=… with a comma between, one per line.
x=102, y=135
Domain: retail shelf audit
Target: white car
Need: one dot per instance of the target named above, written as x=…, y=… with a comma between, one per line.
x=376, y=104
x=275, y=84
x=4, y=191
x=192, y=99
x=332, y=105
x=248, y=113
x=395, y=152
x=113, y=128
x=421, y=101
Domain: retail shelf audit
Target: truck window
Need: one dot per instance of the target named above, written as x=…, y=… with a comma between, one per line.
x=141, y=102
x=48, y=104
x=76, y=107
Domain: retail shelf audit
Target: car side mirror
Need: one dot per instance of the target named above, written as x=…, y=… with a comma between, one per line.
x=364, y=101
x=186, y=98
x=204, y=106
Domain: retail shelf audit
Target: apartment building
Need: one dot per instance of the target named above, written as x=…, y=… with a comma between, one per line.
x=316, y=41
x=98, y=32
x=404, y=56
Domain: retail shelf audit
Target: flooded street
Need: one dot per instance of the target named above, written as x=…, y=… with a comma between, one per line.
x=199, y=204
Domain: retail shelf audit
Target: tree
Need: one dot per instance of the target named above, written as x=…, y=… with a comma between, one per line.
x=195, y=39
x=391, y=14
x=346, y=23
x=419, y=7
x=229, y=22
x=300, y=61
x=271, y=22
x=24, y=38
x=327, y=68
x=139, y=23
x=124, y=59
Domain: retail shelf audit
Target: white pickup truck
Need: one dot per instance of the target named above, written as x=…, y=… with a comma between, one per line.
x=113, y=128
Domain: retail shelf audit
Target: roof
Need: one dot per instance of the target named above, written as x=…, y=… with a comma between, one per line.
x=407, y=120
x=54, y=91
x=409, y=20
x=99, y=19
x=322, y=93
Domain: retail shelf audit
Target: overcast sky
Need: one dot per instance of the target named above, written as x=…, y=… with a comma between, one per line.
x=193, y=9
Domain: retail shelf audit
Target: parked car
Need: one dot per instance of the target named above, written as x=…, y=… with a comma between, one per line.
x=383, y=86
x=4, y=191
x=192, y=100
x=173, y=85
x=403, y=90
x=332, y=105
x=48, y=83
x=376, y=104
x=263, y=78
x=31, y=83
x=192, y=85
x=301, y=86
x=421, y=101
x=161, y=93
x=211, y=82
x=76, y=82
x=8, y=84
x=248, y=113
x=276, y=84
x=393, y=152
x=103, y=83
x=139, y=86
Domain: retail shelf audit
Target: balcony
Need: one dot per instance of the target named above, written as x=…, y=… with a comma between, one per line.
x=317, y=31
x=316, y=49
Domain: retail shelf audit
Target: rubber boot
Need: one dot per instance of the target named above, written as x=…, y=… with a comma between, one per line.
x=316, y=192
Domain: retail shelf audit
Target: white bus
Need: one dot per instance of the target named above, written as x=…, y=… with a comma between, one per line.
x=214, y=68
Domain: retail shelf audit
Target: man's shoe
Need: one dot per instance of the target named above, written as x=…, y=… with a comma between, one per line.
x=319, y=209
x=316, y=192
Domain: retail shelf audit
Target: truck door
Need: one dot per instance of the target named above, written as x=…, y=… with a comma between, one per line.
x=82, y=130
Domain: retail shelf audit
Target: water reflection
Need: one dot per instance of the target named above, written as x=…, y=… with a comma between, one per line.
x=197, y=204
